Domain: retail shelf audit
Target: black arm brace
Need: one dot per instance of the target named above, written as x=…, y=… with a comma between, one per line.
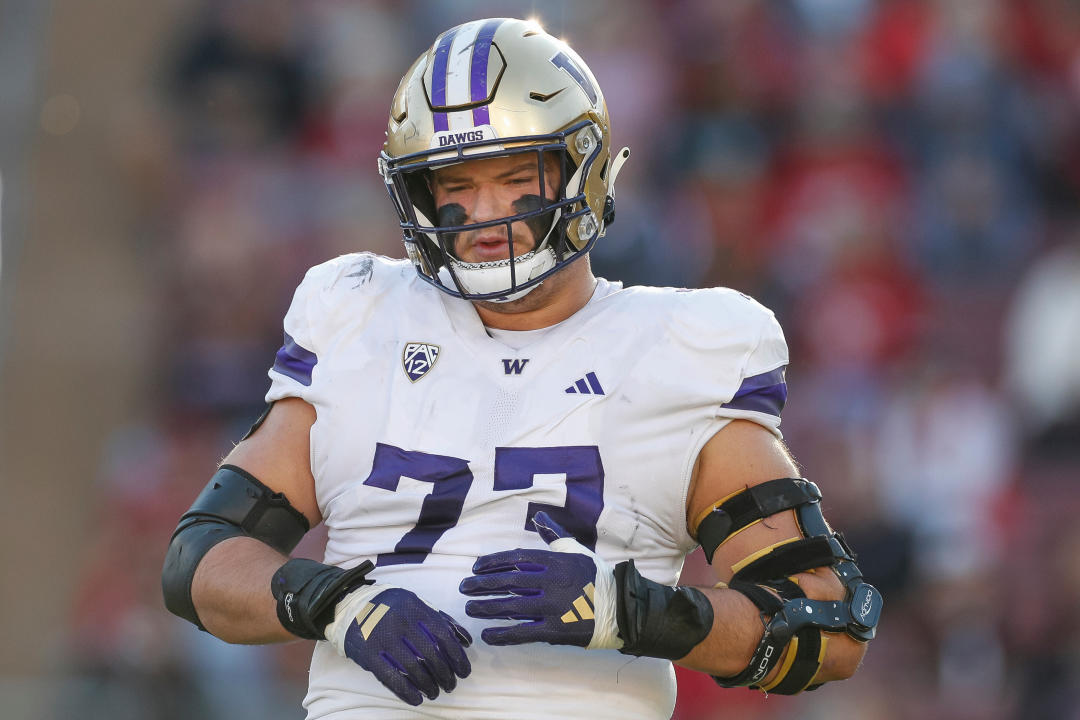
x=233, y=504
x=791, y=618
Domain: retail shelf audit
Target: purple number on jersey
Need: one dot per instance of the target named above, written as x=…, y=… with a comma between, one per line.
x=515, y=469
x=450, y=478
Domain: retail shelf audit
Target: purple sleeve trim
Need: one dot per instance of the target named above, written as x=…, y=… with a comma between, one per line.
x=295, y=361
x=764, y=393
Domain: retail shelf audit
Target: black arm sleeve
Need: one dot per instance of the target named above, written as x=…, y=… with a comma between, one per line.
x=233, y=504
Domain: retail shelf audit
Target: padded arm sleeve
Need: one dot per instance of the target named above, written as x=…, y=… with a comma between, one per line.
x=233, y=504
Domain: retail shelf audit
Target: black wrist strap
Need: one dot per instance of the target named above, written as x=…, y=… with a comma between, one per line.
x=657, y=620
x=307, y=592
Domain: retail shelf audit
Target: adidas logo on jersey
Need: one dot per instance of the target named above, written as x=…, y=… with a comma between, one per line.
x=583, y=605
x=587, y=385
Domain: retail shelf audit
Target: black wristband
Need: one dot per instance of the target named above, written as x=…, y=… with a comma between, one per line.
x=307, y=592
x=657, y=620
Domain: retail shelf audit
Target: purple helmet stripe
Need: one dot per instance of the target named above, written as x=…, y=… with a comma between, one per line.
x=295, y=361
x=765, y=393
x=478, y=86
x=438, y=78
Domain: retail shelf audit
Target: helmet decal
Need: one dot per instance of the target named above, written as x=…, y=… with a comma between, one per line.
x=450, y=138
x=566, y=63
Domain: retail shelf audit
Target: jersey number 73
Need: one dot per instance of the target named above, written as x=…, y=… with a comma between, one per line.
x=515, y=469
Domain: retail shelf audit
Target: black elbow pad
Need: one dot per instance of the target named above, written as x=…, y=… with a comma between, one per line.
x=233, y=504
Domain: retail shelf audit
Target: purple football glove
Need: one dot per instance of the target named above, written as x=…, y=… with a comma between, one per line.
x=411, y=647
x=566, y=594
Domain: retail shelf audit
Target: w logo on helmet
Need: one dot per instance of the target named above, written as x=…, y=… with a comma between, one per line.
x=418, y=358
x=566, y=63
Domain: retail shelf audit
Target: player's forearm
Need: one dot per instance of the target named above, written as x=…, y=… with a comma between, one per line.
x=231, y=592
x=736, y=632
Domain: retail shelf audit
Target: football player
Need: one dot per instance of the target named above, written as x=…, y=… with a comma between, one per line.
x=513, y=457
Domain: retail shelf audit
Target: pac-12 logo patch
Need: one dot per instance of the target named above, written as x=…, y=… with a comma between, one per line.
x=418, y=358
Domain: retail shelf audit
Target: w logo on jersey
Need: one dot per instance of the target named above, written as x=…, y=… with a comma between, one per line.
x=418, y=358
x=515, y=366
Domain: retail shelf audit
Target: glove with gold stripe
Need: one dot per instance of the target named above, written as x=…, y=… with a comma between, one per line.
x=565, y=595
x=411, y=647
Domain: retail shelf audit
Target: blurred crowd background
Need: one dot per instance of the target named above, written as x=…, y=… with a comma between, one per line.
x=898, y=179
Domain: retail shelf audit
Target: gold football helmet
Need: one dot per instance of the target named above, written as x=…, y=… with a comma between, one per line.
x=494, y=88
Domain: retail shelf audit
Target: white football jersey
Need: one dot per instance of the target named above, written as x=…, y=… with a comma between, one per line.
x=436, y=441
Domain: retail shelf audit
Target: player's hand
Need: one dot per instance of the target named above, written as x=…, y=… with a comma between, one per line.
x=566, y=594
x=411, y=647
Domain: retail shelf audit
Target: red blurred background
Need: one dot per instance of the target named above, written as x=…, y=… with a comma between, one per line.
x=899, y=180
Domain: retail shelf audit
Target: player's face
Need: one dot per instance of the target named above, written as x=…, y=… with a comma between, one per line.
x=480, y=190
